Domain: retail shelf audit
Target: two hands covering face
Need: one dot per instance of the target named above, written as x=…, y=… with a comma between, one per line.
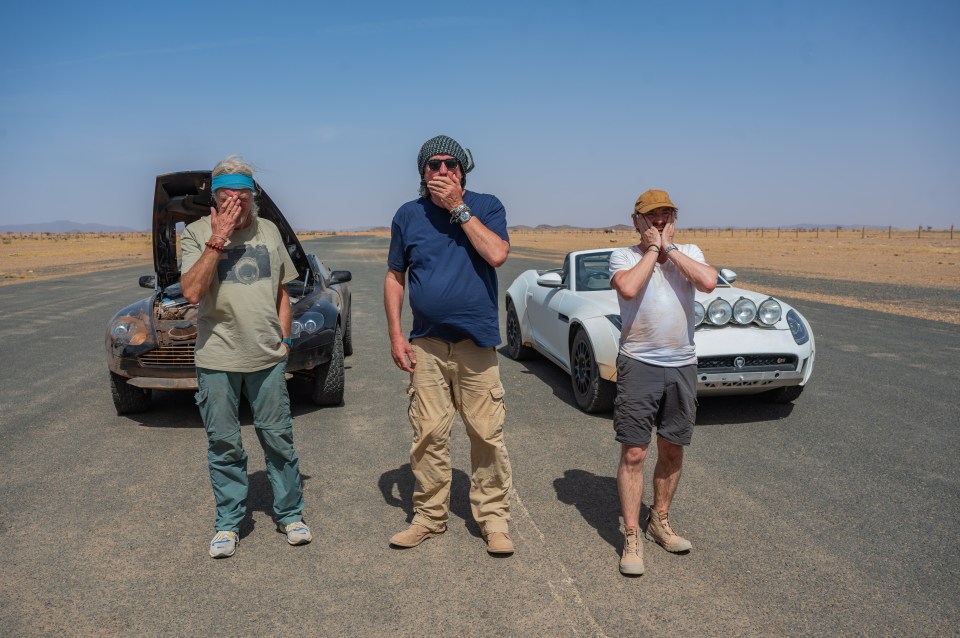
x=650, y=236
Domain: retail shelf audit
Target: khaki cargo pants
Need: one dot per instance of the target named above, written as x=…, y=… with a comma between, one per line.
x=451, y=378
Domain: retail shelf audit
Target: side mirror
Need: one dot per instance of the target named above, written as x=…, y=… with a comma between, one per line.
x=340, y=276
x=727, y=276
x=148, y=281
x=550, y=280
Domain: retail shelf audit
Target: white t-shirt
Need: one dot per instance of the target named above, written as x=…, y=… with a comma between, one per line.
x=658, y=322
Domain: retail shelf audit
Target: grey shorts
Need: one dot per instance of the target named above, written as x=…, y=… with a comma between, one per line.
x=648, y=396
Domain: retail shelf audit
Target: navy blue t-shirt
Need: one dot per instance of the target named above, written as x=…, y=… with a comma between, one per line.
x=453, y=290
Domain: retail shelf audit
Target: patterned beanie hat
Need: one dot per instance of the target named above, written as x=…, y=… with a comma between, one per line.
x=443, y=145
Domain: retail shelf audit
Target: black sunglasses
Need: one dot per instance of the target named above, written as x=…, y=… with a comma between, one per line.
x=451, y=163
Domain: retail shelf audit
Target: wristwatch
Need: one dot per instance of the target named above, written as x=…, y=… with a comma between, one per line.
x=460, y=214
x=669, y=248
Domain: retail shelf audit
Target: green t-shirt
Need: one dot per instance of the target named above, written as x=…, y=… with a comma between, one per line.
x=238, y=329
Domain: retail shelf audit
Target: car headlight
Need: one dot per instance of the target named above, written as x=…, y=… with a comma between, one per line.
x=744, y=311
x=129, y=331
x=719, y=312
x=698, y=313
x=797, y=329
x=306, y=324
x=769, y=312
x=616, y=320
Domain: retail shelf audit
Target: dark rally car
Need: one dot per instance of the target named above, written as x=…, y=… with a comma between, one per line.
x=150, y=343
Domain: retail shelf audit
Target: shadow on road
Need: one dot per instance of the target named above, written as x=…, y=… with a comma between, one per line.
x=179, y=409
x=260, y=499
x=553, y=376
x=739, y=409
x=402, y=479
x=596, y=498
x=711, y=410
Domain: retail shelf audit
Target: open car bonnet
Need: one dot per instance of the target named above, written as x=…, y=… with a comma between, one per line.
x=186, y=197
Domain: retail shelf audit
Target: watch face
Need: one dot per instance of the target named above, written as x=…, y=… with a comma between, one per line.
x=464, y=216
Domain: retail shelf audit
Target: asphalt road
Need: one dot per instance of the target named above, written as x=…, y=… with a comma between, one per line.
x=836, y=515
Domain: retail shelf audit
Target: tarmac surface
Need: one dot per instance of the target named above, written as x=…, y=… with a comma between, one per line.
x=834, y=515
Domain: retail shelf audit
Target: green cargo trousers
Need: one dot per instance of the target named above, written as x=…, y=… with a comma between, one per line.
x=218, y=399
x=452, y=377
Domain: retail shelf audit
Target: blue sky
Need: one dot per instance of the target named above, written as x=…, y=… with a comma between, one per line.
x=749, y=113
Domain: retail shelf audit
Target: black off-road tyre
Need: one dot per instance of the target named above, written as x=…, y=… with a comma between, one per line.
x=328, y=377
x=515, y=348
x=592, y=393
x=348, y=335
x=786, y=394
x=128, y=399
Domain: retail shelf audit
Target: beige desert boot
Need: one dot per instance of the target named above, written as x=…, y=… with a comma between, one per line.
x=659, y=531
x=631, y=562
x=412, y=536
x=499, y=543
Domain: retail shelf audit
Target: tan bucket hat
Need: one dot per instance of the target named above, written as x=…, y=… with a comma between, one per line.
x=652, y=200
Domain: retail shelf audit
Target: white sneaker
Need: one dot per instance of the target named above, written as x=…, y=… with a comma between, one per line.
x=297, y=533
x=224, y=544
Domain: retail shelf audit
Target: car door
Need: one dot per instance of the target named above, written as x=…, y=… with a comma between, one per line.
x=549, y=325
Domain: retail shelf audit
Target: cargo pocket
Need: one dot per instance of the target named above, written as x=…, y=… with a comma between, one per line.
x=414, y=412
x=200, y=397
x=498, y=411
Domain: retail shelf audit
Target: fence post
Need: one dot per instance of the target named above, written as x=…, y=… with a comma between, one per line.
x=889, y=231
x=838, y=232
x=919, y=228
x=951, y=231
x=778, y=232
x=863, y=230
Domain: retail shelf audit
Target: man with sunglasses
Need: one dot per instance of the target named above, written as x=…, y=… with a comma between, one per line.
x=234, y=268
x=656, y=281
x=448, y=243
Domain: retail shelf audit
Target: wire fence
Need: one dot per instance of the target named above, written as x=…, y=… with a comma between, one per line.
x=862, y=232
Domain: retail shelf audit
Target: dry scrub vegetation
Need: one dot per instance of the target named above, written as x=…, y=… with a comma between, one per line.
x=930, y=260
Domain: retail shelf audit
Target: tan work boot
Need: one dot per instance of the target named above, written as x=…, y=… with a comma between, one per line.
x=499, y=543
x=412, y=536
x=659, y=531
x=631, y=562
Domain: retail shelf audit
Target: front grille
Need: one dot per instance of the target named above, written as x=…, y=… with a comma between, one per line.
x=751, y=363
x=173, y=356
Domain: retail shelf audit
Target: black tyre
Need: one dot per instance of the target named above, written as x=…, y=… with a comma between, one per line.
x=328, y=377
x=783, y=395
x=127, y=398
x=515, y=348
x=592, y=393
x=348, y=335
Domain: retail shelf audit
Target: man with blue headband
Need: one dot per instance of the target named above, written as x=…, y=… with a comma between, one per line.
x=234, y=267
x=448, y=244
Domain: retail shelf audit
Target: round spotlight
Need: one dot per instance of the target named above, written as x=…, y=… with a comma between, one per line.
x=719, y=312
x=769, y=312
x=698, y=313
x=744, y=311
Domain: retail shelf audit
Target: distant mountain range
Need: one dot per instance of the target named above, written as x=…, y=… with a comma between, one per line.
x=64, y=226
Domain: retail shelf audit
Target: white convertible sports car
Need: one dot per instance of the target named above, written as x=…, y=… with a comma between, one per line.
x=747, y=342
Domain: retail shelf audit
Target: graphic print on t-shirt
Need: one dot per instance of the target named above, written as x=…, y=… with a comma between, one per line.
x=244, y=264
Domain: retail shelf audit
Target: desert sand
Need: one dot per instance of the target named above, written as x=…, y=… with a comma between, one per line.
x=923, y=259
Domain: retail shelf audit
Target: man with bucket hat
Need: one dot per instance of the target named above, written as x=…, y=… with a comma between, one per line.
x=447, y=244
x=656, y=281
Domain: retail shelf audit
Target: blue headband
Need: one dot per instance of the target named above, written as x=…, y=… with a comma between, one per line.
x=235, y=181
